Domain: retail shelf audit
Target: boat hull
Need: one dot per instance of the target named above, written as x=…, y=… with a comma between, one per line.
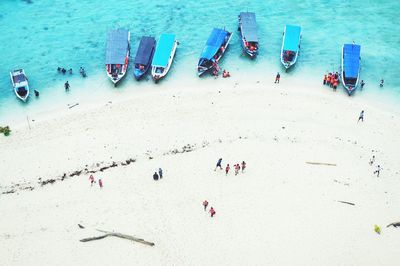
x=349, y=85
x=20, y=84
x=289, y=57
x=154, y=69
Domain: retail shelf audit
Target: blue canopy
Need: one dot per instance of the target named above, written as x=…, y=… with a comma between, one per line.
x=351, y=60
x=145, y=49
x=214, y=42
x=163, y=50
x=117, y=46
x=292, y=38
x=249, y=26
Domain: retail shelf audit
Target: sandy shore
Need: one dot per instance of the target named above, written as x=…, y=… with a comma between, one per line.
x=281, y=211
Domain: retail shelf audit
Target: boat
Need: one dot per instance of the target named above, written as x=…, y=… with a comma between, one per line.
x=213, y=51
x=117, y=54
x=163, y=56
x=248, y=31
x=350, y=70
x=20, y=84
x=290, y=45
x=144, y=56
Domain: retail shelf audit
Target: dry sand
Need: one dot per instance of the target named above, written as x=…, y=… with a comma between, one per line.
x=280, y=211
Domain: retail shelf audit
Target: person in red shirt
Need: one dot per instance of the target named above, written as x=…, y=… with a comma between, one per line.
x=205, y=204
x=101, y=183
x=227, y=168
x=212, y=212
x=92, y=181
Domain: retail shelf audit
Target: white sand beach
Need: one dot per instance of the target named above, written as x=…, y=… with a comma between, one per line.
x=280, y=211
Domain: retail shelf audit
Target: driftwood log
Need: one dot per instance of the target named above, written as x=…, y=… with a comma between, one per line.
x=346, y=202
x=394, y=224
x=317, y=163
x=107, y=233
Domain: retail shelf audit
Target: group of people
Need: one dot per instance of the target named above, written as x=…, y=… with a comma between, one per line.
x=332, y=80
x=211, y=211
x=236, y=167
x=225, y=74
x=378, y=167
x=158, y=175
x=92, y=180
x=64, y=71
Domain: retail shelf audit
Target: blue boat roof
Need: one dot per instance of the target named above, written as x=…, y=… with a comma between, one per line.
x=249, y=26
x=163, y=50
x=351, y=60
x=214, y=42
x=117, y=46
x=144, y=51
x=292, y=38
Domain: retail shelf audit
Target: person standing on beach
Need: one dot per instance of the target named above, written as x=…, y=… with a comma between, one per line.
x=160, y=173
x=361, y=116
x=155, y=176
x=371, y=162
x=325, y=78
x=205, y=204
x=101, y=183
x=277, y=78
x=227, y=169
x=237, y=168
x=243, y=166
x=92, y=181
x=66, y=85
x=219, y=164
x=212, y=211
x=378, y=170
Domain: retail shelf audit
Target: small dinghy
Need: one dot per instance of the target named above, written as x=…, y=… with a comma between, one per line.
x=20, y=84
x=248, y=31
x=163, y=57
x=350, y=66
x=213, y=51
x=290, y=45
x=117, y=54
x=144, y=55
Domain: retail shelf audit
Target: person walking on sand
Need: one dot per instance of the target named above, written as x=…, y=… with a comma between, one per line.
x=361, y=116
x=237, y=168
x=100, y=183
x=227, y=168
x=371, y=162
x=160, y=173
x=66, y=85
x=378, y=170
x=277, y=78
x=92, y=181
x=212, y=212
x=219, y=164
x=155, y=176
x=243, y=166
x=205, y=204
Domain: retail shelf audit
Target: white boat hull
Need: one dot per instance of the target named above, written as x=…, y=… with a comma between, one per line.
x=157, y=76
x=21, y=87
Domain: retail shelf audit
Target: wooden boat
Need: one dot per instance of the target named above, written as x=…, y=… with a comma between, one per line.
x=20, y=84
x=350, y=69
x=215, y=48
x=117, y=54
x=144, y=56
x=163, y=56
x=248, y=31
x=290, y=45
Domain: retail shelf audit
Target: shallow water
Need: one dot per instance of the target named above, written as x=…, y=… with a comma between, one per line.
x=41, y=35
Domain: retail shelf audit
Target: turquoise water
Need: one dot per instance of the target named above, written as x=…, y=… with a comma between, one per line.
x=40, y=35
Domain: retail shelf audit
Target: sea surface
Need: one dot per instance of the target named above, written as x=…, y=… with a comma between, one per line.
x=40, y=35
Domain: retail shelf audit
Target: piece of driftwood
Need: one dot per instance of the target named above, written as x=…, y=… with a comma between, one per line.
x=317, y=163
x=72, y=106
x=107, y=233
x=346, y=202
x=394, y=224
x=81, y=226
